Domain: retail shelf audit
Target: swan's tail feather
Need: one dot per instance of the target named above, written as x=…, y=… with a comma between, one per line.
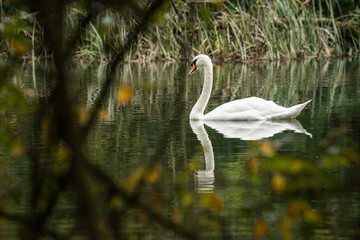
x=298, y=108
x=292, y=112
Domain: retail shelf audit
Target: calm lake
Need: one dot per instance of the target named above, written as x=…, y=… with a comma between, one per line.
x=236, y=161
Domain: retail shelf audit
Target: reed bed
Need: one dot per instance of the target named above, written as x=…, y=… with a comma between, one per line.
x=268, y=30
x=225, y=30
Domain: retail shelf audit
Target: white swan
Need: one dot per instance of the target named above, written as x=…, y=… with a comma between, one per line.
x=252, y=108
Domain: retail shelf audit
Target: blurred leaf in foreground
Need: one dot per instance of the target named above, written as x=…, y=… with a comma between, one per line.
x=124, y=95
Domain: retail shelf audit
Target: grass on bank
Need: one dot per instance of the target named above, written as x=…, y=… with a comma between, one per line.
x=265, y=30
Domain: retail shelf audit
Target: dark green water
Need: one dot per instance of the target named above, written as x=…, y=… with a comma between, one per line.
x=127, y=136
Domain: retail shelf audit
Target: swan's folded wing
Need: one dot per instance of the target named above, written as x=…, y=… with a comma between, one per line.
x=252, y=108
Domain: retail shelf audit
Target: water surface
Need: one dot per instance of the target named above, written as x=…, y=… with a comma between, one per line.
x=128, y=136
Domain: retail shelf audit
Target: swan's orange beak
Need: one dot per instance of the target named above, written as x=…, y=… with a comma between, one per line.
x=193, y=68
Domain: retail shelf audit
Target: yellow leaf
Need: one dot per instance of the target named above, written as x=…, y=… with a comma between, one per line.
x=20, y=47
x=83, y=116
x=102, y=114
x=17, y=149
x=154, y=176
x=266, y=148
x=186, y=199
x=312, y=216
x=260, y=228
x=218, y=3
x=212, y=201
x=216, y=203
x=278, y=183
x=252, y=165
x=134, y=179
x=124, y=95
x=296, y=166
x=285, y=228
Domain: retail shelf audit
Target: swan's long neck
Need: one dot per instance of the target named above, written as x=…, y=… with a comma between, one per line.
x=197, y=111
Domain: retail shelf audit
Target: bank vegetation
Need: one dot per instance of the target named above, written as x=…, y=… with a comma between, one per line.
x=225, y=30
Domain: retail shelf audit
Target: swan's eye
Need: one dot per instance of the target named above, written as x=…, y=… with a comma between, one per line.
x=193, y=63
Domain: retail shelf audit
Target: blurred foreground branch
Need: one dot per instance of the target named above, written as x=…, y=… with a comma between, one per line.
x=62, y=129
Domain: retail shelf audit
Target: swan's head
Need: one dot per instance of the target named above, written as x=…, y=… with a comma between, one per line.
x=199, y=61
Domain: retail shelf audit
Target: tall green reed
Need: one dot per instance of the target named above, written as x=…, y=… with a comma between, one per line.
x=263, y=30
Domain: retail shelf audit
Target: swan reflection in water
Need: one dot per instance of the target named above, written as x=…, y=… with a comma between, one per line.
x=204, y=179
x=244, y=130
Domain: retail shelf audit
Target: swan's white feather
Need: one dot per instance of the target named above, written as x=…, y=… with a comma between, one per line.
x=253, y=108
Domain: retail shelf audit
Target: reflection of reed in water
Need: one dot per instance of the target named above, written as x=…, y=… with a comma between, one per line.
x=286, y=83
x=204, y=179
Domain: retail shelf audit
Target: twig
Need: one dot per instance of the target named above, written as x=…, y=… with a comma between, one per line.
x=134, y=201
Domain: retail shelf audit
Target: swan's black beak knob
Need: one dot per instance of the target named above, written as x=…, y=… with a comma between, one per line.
x=193, y=68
